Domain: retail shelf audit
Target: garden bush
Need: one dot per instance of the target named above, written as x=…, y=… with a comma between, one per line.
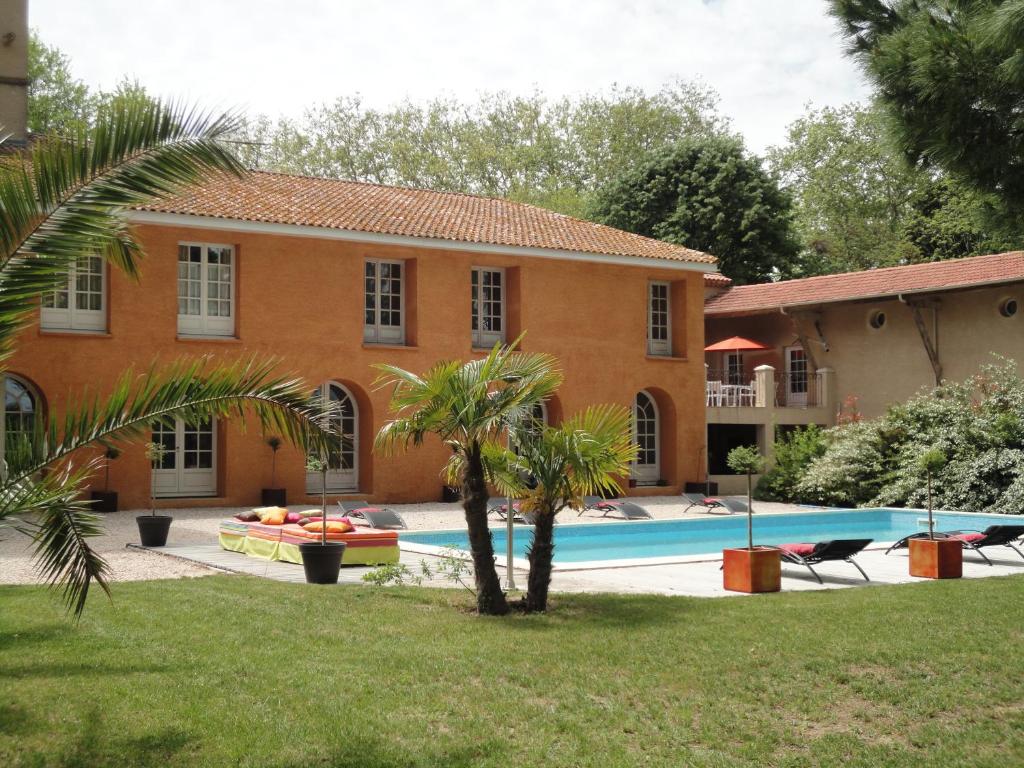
x=978, y=424
x=794, y=452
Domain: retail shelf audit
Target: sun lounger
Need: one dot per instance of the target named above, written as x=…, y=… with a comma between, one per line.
x=375, y=517
x=808, y=554
x=993, y=536
x=731, y=506
x=627, y=509
x=975, y=541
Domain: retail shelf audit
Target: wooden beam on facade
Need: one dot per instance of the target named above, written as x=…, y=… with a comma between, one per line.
x=931, y=345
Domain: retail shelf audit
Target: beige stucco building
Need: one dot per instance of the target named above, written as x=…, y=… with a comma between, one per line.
x=854, y=342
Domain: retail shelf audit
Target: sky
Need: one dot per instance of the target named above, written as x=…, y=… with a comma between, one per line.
x=766, y=58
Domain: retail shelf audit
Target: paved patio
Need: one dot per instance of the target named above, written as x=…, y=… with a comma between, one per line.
x=695, y=579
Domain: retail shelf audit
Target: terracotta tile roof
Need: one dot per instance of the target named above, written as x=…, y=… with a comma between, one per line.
x=361, y=207
x=872, y=283
x=716, y=280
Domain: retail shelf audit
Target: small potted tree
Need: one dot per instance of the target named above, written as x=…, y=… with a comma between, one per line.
x=153, y=528
x=932, y=558
x=750, y=568
x=274, y=496
x=106, y=500
x=321, y=560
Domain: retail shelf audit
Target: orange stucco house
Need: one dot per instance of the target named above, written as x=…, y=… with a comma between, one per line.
x=332, y=276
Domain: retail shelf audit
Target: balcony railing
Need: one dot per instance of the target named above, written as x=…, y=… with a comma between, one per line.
x=732, y=389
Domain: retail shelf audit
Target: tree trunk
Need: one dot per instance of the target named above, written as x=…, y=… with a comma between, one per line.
x=490, y=600
x=542, y=552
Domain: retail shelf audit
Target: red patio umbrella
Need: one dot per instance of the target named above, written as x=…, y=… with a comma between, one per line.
x=735, y=344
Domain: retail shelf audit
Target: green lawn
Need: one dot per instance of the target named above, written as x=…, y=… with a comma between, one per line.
x=233, y=671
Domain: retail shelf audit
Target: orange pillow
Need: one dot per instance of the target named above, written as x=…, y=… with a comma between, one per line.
x=272, y=515
x=333, y=526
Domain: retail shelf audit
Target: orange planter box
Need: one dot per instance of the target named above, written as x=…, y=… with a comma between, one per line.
x=936, y=558
x=752, y=570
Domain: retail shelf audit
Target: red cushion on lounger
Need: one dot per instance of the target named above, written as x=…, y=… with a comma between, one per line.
x=709, y=502
x=968, y=536
x=803, y=550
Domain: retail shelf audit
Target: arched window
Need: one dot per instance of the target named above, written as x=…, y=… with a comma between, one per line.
x=647, y=467
x=343, y=455
x=20, y=406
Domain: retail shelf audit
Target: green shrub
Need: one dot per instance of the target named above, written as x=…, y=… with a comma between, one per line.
x=794, y=452
x=978, y=428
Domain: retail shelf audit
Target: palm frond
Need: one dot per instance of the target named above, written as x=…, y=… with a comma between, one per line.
x=194, y=390
x=50, y=509
x=64, y=198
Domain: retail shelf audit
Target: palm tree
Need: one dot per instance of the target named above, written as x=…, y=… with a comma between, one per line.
x=583, y=456
x=62, y=199
x=469, y=406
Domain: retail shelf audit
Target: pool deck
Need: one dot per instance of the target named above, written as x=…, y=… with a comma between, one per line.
x=693, y=579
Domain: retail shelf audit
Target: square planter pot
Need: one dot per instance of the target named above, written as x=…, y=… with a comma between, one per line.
x=274, y=497
x=936, y=558
x=752, y=570
x=104, y=501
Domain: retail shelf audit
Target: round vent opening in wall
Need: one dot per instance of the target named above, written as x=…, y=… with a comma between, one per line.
x=876, y=319
x=1008, y=307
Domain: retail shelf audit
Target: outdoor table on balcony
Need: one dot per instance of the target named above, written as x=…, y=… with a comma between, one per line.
x=730, y=395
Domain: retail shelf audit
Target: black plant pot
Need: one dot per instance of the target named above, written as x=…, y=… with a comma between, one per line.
x=322, y=561
x=104, y=501
x=274, y=497
x=153, y=529
x=450, y=494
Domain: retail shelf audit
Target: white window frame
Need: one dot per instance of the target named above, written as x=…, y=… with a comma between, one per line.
x=647, y=474
x=71, y=317
x=205, y=324
x=376, y=332
x=659, y=347
x=486, y=339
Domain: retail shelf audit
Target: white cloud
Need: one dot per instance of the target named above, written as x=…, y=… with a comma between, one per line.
x=766, y=58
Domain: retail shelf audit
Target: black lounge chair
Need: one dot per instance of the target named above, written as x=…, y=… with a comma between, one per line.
x=905, y=541
x=993, y=536
x=824, y=551
x=374, y=517
x=975, y=541
x=628, y=509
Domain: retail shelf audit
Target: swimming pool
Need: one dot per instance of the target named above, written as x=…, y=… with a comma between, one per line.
x=612, y=544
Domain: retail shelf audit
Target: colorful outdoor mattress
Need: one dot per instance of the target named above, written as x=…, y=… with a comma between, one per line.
x=232, y=535
x=263, y=541
x=362, y=546
x=281, y=542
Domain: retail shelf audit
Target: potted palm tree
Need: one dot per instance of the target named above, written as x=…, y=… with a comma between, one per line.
x=153, y=528
x=106, y=500
x=750, y=568
x=274, y=496
x=468, y=405
x=583, y=456
x=932, y=558
x=321, y=560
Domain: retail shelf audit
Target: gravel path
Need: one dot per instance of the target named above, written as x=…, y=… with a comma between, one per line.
x=199, y=526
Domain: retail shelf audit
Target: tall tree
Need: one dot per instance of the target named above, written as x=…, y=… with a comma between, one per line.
x=708, y=194
x=527, y=148
x=860, y=204
x=852, y=188
x=469, y=406
x=57, y=101
x=62, y=199
x=951, y=74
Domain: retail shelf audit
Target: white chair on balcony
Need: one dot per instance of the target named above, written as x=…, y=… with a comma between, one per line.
x=714, y=394
x=745, y=395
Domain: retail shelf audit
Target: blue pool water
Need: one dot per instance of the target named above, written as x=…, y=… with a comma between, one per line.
x=670, y=538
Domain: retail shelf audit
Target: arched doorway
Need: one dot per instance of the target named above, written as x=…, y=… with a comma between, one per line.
x=646, y=432
x=343, y=454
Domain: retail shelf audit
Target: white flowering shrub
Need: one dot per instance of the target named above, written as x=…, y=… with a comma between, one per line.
x=979, y=426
